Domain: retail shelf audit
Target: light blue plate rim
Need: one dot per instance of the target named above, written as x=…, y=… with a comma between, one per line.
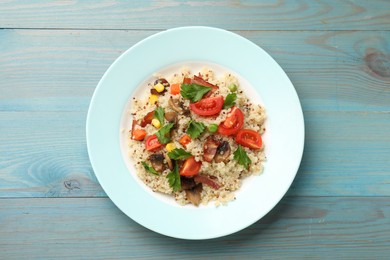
x=285, y=122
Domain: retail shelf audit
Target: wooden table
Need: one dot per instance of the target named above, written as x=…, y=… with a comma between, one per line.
x=52, y=55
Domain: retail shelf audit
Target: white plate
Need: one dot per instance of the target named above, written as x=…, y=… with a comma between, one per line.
x=263, y=80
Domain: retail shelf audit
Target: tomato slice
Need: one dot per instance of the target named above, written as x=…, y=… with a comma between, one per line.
x=190, y=167
x=249, y=138
x=152, y=143
x=233, y=122
x=208, y=106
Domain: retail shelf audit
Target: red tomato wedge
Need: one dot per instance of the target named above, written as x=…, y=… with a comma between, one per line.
x=200, y=81
x=249, y=138
x=233, y=122
x=152, y=143
x=190, y=167
x=208, y=106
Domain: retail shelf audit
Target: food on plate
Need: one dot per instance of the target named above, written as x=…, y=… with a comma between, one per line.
x=196, y=136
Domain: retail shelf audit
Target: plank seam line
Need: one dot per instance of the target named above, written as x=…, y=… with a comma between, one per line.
x=163, y=29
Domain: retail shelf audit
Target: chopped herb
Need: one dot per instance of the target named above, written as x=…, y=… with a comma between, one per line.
x=174, y=179
x=193, y=92
x=159, y=114
x=212, y=128
x=241, y=157
x=149, y=168
x=195, y=129
x=163, y=134
x=230, y=100
x=179, y=154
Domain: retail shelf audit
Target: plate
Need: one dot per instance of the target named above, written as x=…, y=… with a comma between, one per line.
x=284, y=137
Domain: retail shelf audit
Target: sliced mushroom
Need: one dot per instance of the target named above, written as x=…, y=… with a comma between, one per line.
x=210, y=149
x=171, y=117
x=223, y=152
x=187, y=183
x=174, y=104
x=193, y=195
x=169, y=161
x=157, y=161
x=186, y=112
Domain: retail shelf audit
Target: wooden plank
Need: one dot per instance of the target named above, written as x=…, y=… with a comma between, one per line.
x=233, y=15
x=43, y=154
x=58, y=70
x=314, y=228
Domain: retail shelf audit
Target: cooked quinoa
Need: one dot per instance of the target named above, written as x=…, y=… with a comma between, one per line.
x=227, y=174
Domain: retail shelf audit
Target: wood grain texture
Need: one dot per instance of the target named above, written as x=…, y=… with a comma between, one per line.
x=59, y=69
x=43, y=154
x=233, y=15
x=314, y=228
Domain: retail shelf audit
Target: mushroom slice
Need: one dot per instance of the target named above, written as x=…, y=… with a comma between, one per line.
x=223, y=152
x=157, y=161
x=187, y=183
x=193, y=195
x=175, y=105
x=171, y=117
x=210, y=149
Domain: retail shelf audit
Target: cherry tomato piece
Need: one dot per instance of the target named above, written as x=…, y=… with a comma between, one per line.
x=152, y=143
x=249, y=138
x=190, y=167
x=208, y=106
x=233, y=122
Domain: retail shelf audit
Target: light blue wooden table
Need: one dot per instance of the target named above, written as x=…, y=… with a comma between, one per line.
x=52, y=55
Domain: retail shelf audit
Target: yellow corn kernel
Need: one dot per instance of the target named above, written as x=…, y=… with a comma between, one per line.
x=153, y=99
x=170, y=147
x=159, y=87
x=156, y=123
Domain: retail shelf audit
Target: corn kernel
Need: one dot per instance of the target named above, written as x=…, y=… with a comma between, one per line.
x=170, y=147
x=159, y=87
x=156, y=123
x=153, y=99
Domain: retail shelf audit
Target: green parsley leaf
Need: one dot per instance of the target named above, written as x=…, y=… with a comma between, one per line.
x=174, y=178
x=159, y=114
x=193, y=92
x=179, y=154
x=241, y=157
x=163, y=134
x=230, y=100
x=195, y=129
x=149, y=168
